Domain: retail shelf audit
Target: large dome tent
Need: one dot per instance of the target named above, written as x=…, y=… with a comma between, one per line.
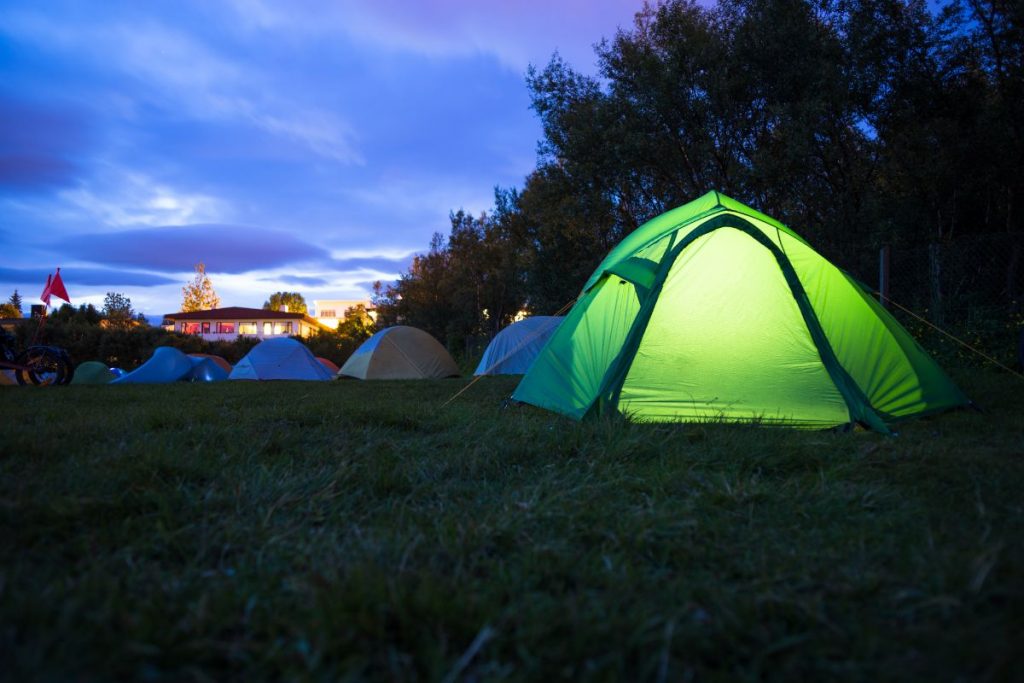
x=715, y=311
x=400, y=352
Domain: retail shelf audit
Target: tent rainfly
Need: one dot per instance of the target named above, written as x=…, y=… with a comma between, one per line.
x=513, y=350
x=168, y=364
x=280, y=358
x=93, y=372
x=400, y=352
x=716, y=312
x=220, y=361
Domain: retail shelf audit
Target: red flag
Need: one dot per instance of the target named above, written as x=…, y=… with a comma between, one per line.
x=45, y=296
x=57, y=288
x=54, y=287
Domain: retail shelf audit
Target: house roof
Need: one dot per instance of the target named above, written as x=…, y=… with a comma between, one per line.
x=242, y=314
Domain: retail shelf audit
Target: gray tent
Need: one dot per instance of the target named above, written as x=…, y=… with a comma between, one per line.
x=400, y=352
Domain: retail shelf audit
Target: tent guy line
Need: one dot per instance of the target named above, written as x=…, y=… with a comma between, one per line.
x=511, y=353
x=935, y=327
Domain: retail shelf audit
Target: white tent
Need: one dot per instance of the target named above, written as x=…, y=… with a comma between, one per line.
x=400, y=352
x=512, y=350
x=282, y=358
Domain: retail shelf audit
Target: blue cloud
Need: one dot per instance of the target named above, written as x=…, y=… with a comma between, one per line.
x=84, y=276
x=383, y=264
x=38, y=145
x=299, y=280
x=223, y=248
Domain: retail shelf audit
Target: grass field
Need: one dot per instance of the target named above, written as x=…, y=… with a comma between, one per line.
x=248, y=531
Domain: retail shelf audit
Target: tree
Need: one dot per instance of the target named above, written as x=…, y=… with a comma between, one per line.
x=198, y=295
x=468, y=285
x=357, y=325
x=9, y=311
x=117, y=311
x=16, y=301
x=293, y=300
x=85, y=315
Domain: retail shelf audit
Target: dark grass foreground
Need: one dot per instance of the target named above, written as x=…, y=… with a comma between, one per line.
x=248, y=531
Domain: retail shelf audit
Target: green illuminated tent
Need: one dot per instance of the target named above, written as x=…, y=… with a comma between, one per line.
x=714, y=311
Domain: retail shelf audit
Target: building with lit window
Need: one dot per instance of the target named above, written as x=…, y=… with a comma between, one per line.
x=330, y=312
x=227, y=324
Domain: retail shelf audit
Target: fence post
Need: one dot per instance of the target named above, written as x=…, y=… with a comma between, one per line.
x=935, y=280
x=883, y=275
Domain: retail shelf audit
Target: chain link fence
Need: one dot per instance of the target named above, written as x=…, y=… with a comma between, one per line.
x=970, y=287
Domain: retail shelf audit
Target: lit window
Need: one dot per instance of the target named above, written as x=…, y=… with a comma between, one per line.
x=190, y=328
x=225, y=328
x=283, y=328
x=206, y=328
x=246, y=328
x=268, y=329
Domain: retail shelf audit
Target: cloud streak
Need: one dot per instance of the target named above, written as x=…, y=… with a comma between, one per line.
x=85, y=276
x=381, y=264
x=223, y=248
x=516, y=33
x=38, y=145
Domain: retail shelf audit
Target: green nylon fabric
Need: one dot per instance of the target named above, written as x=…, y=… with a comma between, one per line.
x=746, y=323
x=726, y=341
x=898, y=377
x=568, y=374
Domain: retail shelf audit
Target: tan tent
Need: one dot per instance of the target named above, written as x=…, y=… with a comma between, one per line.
x=400, y=352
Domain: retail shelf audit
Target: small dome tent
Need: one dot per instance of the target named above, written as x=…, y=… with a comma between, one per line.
x=329, y=364
x=93, y=372
x=206, y=369
x=280, y=358
x=715, y=311
x=219, y=360
x=513, y=350
x=166, y=365
x=400, y=352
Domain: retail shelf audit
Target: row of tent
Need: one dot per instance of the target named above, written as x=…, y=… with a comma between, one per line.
x=398, y=352
x=711, y=311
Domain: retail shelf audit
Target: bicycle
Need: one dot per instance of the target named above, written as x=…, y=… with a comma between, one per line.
x=37, y=365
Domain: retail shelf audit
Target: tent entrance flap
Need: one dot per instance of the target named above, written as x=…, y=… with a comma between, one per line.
x=727, y=341
x=572, y=370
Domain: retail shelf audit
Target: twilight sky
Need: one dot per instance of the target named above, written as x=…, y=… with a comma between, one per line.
x=309, y=145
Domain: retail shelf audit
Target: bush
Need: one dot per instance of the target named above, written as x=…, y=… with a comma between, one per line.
x=84, y=338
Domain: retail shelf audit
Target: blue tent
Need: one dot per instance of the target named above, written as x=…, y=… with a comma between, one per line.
x=168, y=364
x=512, y=350
x=281, y=358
